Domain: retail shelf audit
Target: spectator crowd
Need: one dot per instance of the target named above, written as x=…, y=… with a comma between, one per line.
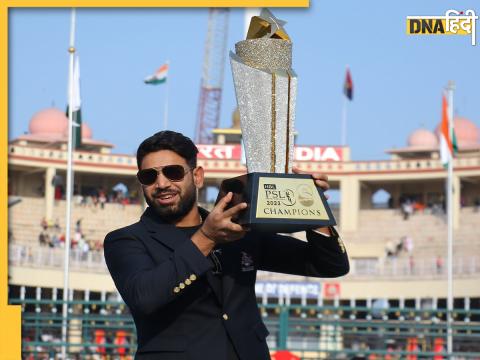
x=53, y=236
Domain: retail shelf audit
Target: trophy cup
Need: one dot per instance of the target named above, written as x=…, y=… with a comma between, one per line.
x=265, y=87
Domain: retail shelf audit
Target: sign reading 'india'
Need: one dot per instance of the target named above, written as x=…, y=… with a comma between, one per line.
x=301, y=153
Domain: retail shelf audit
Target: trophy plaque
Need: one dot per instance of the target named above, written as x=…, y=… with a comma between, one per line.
x=265, y=87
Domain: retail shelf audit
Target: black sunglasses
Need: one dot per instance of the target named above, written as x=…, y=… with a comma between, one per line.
x=171, y=172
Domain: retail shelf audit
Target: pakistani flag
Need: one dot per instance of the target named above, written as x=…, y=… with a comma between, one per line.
x=76, y=102
x=159, y=77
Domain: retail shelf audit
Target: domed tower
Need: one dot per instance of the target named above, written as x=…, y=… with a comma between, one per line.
x=49, y=128
x=466, y=133
x=423, y=143
x=48, y=123
x=422, y=139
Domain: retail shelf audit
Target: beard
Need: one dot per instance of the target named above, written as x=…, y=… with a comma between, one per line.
x=173, y=213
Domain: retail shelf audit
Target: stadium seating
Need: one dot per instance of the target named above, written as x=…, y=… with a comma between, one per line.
x=377, y=229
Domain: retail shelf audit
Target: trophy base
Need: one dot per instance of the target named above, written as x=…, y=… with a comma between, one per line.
x=280, y=203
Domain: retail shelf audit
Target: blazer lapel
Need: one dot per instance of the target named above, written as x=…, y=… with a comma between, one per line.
x=165, y=233
x=171, y=237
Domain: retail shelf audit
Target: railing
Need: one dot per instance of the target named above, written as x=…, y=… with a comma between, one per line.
x=129, y=162
x=45, y=257
x=312, y=332
x=78, y=156
x=419, y=268
x=93, y=261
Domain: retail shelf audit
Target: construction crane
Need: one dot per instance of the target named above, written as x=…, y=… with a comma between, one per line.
x=208, y=113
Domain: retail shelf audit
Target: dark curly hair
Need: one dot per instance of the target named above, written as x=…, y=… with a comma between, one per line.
x=169, y=140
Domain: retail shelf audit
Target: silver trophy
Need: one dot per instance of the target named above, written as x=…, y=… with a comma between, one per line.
x=266, y=87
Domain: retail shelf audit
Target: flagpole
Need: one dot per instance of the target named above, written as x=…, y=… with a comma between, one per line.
x=71, y=50
x=450, y=89
x=165, y=110
x=344, y=122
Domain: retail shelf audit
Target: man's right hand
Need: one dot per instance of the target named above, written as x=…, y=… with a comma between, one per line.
x=218, y=227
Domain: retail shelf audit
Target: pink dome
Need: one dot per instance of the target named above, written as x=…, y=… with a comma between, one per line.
x=49, y=121
x=423, y=138
x=86, y=131
x=466, y=131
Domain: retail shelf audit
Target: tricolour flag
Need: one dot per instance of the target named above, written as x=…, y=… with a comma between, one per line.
x=348, y=85
x=76, y=106
x=159, y=77
x=448, y=141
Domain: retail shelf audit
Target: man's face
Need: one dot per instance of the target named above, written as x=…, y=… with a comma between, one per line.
x=172, y=200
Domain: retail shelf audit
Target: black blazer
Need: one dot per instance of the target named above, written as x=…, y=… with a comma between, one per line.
x=167, y=284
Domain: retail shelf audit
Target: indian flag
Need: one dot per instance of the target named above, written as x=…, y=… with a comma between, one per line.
x=448, y=141
x=159, y=77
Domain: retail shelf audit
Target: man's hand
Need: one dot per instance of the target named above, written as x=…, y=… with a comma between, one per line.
x=321, y=180
x=218, y=227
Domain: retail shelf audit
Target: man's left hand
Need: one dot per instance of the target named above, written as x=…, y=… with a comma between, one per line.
x=321, y=180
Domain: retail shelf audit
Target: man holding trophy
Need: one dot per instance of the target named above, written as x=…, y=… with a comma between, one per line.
x=188, y=276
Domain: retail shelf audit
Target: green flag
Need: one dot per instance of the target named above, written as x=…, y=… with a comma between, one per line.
x=76, y=106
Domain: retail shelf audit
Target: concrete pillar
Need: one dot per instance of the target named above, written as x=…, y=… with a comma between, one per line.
x=49, y=192
x=75, y=328
x=349, y=203
x=456, y=201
